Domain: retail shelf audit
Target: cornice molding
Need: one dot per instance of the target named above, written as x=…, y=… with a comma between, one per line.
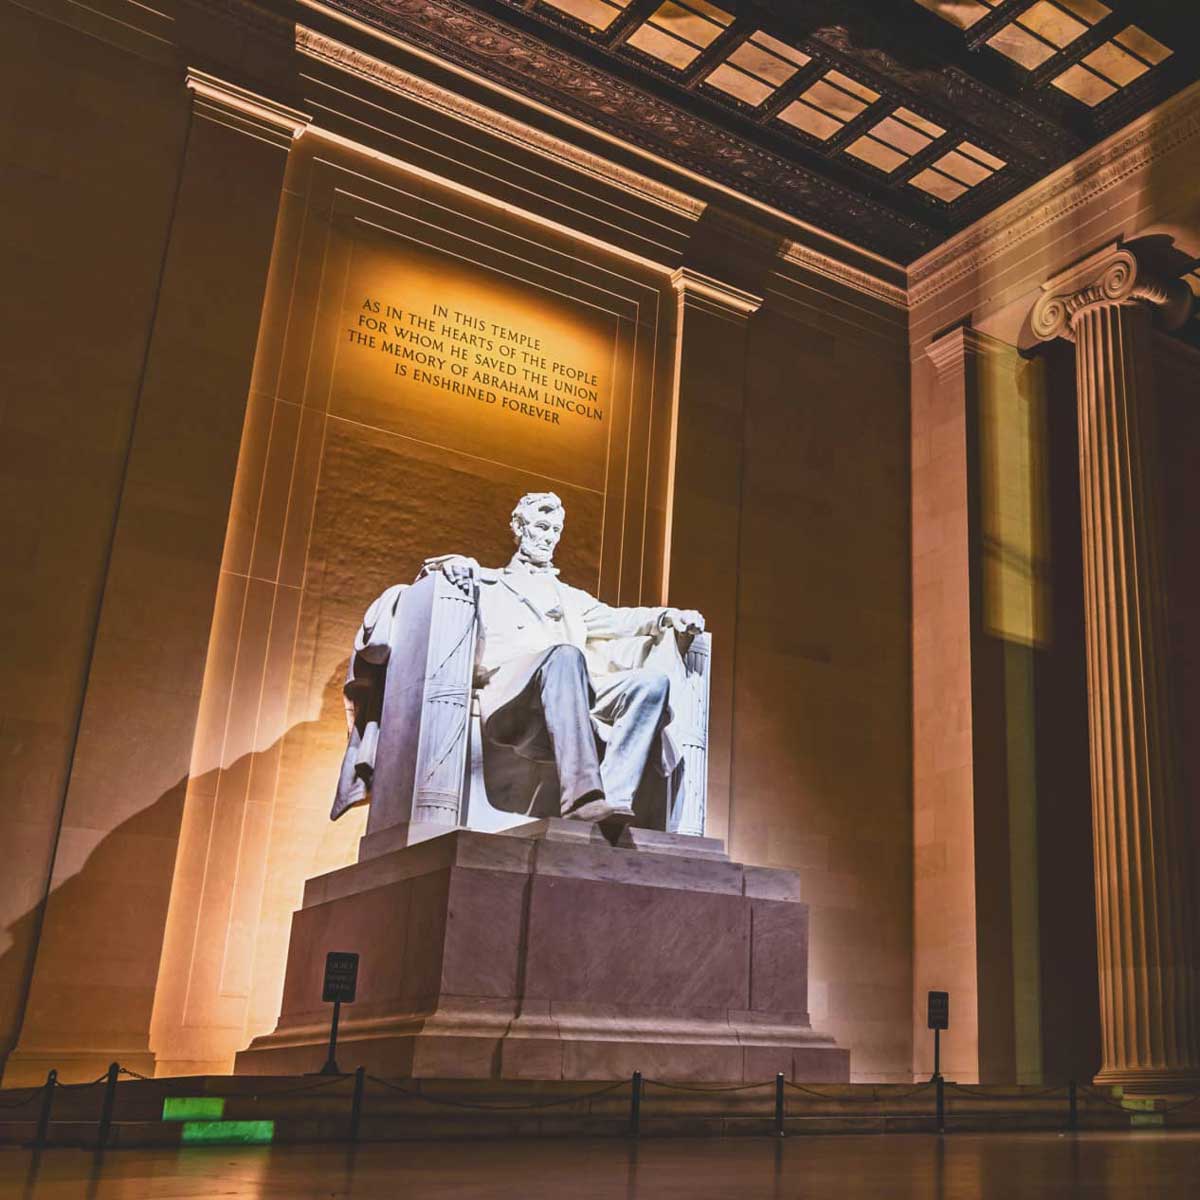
x=355, y=62
x=950, y=350
x=1111, y=276
x=693, y=285
x=860, y=281
x=1153, y=136
x=465, y=35
x=244, y=110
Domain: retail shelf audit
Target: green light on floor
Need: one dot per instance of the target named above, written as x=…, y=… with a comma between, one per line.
x=1144, y=1120
x=193, y=1108
x=227, y=1133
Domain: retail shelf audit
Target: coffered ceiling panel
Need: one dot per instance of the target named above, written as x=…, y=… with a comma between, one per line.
x=891, y=122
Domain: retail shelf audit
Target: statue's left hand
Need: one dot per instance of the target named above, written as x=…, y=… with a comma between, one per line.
x=458, y=568
x=683, y=620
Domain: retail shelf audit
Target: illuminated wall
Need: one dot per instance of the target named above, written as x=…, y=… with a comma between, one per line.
x=418, y=371
x=360, y=312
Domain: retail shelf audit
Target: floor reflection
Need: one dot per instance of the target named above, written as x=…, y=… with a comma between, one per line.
x=1146, y=1165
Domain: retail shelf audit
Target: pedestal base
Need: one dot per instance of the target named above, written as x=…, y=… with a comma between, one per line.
x=547, y=953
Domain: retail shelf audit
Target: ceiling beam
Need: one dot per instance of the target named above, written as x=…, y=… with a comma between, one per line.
x=987, y=27
x=634, y=16
x=717, y=51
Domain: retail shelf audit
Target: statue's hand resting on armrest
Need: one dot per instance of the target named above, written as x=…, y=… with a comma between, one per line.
x=682, y=620
x=458, y=568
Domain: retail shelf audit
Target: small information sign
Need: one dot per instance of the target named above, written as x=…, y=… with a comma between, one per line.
x=341, y=977
x=939, y=1010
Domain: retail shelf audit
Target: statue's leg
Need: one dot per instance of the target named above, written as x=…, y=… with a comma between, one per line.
x=565, y=695
x=633, y=703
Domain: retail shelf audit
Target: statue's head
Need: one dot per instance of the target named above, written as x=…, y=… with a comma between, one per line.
x=537, y=524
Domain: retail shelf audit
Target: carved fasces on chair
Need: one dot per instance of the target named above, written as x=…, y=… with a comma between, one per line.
x=690, y=801
x=421, y=762
x=442, y=746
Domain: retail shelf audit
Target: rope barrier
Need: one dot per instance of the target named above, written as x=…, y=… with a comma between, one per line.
x=71, y=1087
x=316, y=1085
x=796, y=1087
x=967, y=1091
x=684, y=1087
x=972, y=1090
x=448, y=1102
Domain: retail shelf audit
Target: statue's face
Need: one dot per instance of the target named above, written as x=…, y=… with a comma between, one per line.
x=538, y=534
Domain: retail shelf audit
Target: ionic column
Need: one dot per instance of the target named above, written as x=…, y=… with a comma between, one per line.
x=1149, y=985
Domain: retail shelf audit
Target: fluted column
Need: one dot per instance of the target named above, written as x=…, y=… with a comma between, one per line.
x=1149, y=983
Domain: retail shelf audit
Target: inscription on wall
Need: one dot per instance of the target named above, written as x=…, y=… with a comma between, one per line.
x=475, y=357
x=470, y=360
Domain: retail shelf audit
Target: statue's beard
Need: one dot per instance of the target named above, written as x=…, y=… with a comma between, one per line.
x=537, y=556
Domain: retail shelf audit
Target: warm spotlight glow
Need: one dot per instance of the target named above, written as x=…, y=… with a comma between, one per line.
x=453, y=355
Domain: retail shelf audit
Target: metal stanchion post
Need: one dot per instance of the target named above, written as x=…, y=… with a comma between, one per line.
x=941, y=1104
x=779, y=1104
x=331, y=1067
x=635, y=1105
x=106, y=1110
x=43, y=1121
x=1073, y=1103
x=360, y=1078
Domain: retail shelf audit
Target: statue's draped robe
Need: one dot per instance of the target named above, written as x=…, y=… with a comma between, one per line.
x=516, y=630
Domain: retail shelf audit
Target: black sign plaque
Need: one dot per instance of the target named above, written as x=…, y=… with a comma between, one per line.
x=939, y=1010
x=341, y=977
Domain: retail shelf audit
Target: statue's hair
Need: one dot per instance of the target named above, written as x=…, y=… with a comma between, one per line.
x=538, y=502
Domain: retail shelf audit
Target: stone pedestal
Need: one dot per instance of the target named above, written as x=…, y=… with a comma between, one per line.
x=547, y=953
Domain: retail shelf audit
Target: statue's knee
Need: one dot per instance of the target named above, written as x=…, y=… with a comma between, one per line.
x=654, y=685
x=567, y=659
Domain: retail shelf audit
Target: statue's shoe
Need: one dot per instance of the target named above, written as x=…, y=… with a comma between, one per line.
x=600, y=810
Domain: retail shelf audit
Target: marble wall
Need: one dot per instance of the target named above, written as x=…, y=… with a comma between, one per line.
x=87, y=222
x=220, y=509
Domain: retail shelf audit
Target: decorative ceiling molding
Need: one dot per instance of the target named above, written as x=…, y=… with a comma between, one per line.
x=860, y=281
x=345, y=58
x=1151, y=137
x=460, y=33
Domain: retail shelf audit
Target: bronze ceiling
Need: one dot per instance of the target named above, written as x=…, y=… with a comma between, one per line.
x=891, y=122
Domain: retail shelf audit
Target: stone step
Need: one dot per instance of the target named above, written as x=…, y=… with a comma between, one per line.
x=232, y=1110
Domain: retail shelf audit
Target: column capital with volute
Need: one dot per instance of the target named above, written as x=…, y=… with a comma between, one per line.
x=1113, y=275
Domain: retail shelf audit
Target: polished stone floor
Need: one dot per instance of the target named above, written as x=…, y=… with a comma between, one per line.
x=1134, y=1166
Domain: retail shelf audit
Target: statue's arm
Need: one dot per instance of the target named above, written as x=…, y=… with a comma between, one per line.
x=374, y=640
x=608, y=621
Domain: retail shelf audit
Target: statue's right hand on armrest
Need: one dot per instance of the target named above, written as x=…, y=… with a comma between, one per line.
x=458, y=568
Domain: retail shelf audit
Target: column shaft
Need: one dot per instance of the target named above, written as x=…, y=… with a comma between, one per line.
x=1145, y=923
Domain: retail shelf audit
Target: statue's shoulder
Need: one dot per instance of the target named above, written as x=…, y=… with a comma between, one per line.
x=577, y=596
x=384, y=603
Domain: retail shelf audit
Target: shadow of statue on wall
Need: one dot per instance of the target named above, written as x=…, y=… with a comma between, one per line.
x=127, y=853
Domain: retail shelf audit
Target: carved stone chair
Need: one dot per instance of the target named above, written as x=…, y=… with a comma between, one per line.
x=431, y=768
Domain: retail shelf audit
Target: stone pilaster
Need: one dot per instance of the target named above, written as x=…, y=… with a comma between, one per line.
x=96, y=978
x=1145, y=916
x=704, y=509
